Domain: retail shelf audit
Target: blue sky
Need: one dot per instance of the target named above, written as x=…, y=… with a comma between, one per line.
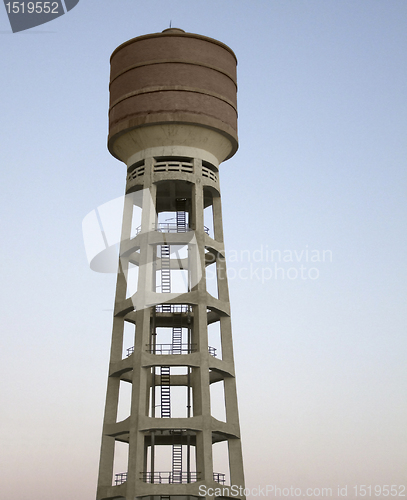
x=320, y=361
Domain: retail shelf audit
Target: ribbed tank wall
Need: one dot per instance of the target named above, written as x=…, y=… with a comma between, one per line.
x=172, y=78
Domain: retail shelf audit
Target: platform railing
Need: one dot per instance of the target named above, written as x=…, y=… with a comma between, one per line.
x=168, y=477
x=164, y=227
x=172, y=308
x=120, y=478
x=170, y=348
x=218, y=477
x=165, y=349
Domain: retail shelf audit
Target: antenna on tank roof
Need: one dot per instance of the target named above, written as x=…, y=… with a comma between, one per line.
x=170, y=24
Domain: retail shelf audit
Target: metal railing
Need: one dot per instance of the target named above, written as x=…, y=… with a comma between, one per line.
x=165, y=349
x=212, y=351
x=130, y=351
x=172, y=308
x=120, y=478
x=165, y=227
x=167, y=477
x=170, y=348
x=218, y=477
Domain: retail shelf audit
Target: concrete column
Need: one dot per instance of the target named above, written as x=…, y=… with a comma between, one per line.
x=217, y=219
x=141, y=376
x=113, y=383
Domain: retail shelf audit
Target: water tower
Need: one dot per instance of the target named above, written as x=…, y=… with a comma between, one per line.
x=172, y=121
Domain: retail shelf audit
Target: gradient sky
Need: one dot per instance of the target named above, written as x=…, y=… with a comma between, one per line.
x=321, y=363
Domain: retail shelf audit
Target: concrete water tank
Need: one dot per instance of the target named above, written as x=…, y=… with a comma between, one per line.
x=165, y=87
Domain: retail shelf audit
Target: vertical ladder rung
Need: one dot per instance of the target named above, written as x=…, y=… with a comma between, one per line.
x=177, y=463
x=165, y=252
x=177, y=341
x=180, y=205
x=165, y=379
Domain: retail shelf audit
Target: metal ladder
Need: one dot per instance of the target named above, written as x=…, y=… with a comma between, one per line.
x=165, y=274
x=165, y=380
x=165, y=377
x=181, y=216
x=177, y=460
x=165, y=269
x=176, y=341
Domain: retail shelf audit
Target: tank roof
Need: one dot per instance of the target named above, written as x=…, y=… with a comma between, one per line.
x=173, y=32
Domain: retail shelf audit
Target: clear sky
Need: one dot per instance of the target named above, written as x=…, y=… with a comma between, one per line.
x=320, y=349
